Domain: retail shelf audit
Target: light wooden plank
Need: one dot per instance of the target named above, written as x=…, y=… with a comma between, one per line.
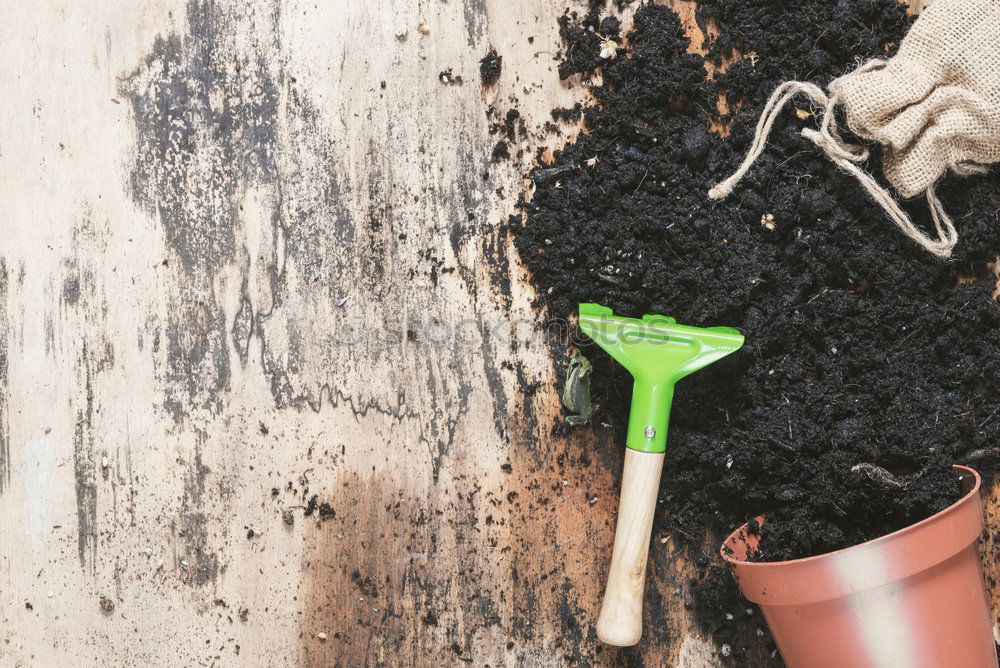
x=234, y=262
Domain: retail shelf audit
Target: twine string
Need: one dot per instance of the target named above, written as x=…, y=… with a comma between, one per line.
x=847, y=157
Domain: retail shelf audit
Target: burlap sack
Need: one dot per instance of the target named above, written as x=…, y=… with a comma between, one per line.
x=934, y=106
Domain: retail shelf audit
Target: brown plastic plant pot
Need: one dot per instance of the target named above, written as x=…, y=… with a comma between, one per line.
x=913, y=598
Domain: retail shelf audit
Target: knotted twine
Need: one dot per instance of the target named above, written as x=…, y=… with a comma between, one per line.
x=934, y=107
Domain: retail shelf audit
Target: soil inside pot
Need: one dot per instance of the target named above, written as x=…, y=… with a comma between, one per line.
x=863, y=353
x=874, y=498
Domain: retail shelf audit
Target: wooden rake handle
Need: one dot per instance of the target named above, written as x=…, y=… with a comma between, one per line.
x=620, y=621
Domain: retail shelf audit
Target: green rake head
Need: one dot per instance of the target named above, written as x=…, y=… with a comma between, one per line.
x=657, y=352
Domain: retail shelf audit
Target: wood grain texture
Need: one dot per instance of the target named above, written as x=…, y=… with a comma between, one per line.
x=271, y=388
x=620, y=620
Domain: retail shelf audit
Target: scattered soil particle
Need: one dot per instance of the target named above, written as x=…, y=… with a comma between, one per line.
x=509, y=126
x=582, y=44
x=501, y=151
x=722, y=611
x=365, y=584
x=449, y=79
x=325, y=510
x=610, y=26
x=107, y=605
x=568, y=115
x=510, y=123
x=861, y=348
x=490, y=67
x=583, y=39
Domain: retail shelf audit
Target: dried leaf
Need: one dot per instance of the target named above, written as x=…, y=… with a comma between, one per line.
x=576, y=392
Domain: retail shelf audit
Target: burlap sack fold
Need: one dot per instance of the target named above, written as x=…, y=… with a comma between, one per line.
x=936, y=103
x=933, y=107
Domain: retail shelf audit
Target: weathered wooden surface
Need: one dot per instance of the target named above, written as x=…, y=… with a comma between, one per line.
x=193, y=190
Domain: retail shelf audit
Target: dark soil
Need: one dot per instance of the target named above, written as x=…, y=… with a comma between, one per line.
x=566, y=115
x=501, y=151
x=861, y=348
x=490, y=67
x=449, y=79
x=510, y=127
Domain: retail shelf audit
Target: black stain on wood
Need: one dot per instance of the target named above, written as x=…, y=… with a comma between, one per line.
x=83, y=306
x=84, y=468
x=494, y=380
x=494, y=251
x=50, y=334
x=205, y=108
x=4, y=387
x=202, y=564
x=320, y=236
x=440, y=433
x=433, y=595
x=334, y=253
x=474, y=12
x=71, y=289
x=243, y=324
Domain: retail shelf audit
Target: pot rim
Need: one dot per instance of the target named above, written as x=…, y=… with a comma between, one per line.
x=964, y=470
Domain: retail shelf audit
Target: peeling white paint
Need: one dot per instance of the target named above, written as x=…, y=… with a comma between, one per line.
x=35, y=473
